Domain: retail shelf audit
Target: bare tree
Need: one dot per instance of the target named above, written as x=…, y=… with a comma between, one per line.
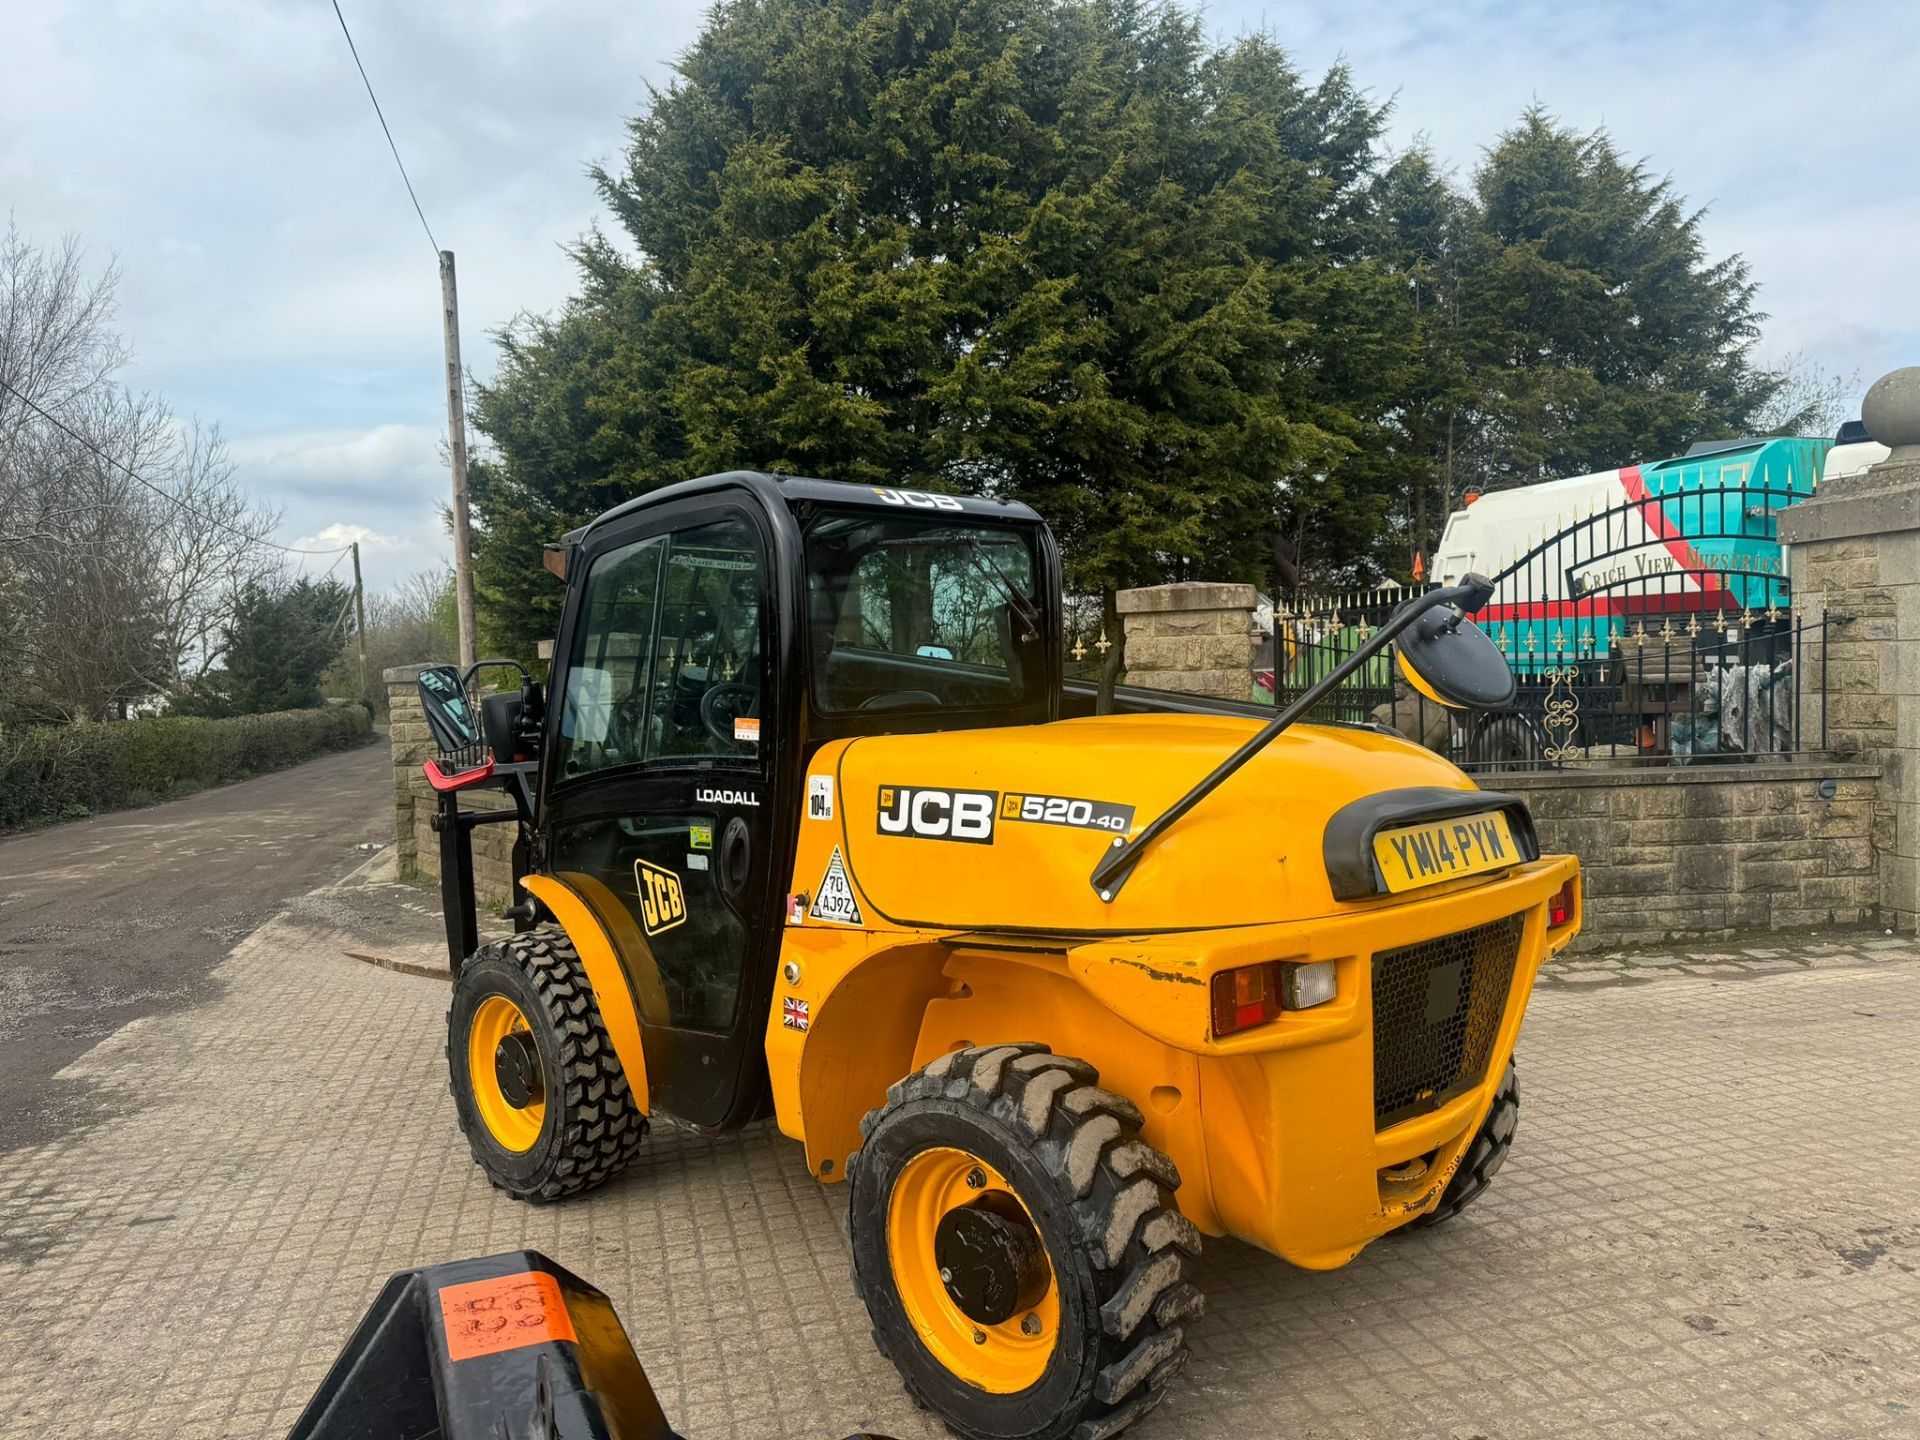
x=413, y=623
x=89, y=635
x=1811, y=400
x=124, y=533
x=56, y=337
x=204, y=565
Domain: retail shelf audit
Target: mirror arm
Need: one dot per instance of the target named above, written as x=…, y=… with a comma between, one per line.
x=1118, y=862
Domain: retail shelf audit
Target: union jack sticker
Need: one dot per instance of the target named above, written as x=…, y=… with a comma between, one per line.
x=795, y=1014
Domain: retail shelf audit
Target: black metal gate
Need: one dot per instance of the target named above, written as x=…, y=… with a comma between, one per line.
x=1657, y=629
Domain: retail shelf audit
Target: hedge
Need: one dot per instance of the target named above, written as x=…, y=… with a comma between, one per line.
x=66, y=771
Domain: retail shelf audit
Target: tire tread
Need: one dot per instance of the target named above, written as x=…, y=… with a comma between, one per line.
x=604, y=1128
x=1118, y=1191
x=1485, y=1155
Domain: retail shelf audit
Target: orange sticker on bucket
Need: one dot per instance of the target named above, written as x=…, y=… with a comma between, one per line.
x=485, y=1317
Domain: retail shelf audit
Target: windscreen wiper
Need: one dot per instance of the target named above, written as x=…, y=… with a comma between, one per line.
x=1022, y=606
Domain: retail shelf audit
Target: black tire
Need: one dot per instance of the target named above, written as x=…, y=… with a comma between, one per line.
x=1512, y=741
x=591, y=1127
x=1484, y=1157
x=1101, y=1200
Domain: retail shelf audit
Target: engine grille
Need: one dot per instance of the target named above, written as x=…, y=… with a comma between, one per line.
x=1436, y=1009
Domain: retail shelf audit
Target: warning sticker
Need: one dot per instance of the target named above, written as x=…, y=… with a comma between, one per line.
x=485, y=1317
x=746, y=729
x=835, y=900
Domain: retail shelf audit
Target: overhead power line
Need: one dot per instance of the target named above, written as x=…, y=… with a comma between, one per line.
x=381, y=117
x=160, y=490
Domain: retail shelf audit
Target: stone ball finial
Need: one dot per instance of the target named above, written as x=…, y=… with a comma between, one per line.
x=1891, y=412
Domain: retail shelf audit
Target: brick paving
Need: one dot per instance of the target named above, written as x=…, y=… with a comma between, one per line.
x=1707, y=1227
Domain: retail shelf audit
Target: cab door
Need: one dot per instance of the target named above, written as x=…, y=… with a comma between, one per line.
x=658, y=804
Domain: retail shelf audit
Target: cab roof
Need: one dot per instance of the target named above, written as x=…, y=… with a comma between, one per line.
x=776, y=489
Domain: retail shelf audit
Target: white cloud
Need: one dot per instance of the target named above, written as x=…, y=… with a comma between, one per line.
x=371, y=542
x=383, y=486
x=385, y=560
x=386, y=465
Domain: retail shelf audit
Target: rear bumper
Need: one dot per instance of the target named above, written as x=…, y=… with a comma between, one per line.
x=1292, y=1159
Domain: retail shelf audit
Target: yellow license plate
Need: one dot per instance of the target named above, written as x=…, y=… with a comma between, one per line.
x=1414, y=855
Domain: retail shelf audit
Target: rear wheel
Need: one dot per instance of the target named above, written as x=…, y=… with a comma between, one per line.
x=1017, y=1249
x=538, y=1090
x=1484, y=1156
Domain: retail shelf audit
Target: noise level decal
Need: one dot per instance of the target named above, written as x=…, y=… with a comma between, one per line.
x=835, y=900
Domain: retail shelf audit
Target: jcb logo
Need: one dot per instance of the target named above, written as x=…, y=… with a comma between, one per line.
x=663, y=904
x=917, y=499
x=938, y=814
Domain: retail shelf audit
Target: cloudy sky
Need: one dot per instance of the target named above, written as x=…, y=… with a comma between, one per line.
x=276, y=280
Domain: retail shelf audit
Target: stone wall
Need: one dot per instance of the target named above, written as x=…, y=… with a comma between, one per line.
x=1855, y=554
x=416, y=846
x=1710, y=851
x=1697, y=852
x=1197, y=638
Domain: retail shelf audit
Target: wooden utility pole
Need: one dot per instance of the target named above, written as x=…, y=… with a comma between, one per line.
x=457, y=447
x=360, y=621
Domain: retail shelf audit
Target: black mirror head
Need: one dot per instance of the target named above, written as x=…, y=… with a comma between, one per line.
x=449, y=716
x=1450, y=660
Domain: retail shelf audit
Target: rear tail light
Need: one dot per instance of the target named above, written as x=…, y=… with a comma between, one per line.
x=1245, y=997
x=1255, y=994
x=1560, y=907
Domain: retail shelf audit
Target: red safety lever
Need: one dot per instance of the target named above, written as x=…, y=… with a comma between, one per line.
x=459, y=780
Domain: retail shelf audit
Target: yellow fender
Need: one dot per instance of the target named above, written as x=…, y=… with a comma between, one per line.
x=827, y=1077
x=587, y=924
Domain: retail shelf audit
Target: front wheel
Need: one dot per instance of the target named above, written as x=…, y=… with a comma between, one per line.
x=537, y=1088
x=1017, y=1249
x=1484, y=1156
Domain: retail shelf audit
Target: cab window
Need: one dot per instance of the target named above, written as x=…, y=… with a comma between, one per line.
x=665, y=660
x=912, y=613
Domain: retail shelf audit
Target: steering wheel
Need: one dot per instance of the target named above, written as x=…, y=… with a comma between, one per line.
x=723, y=704
x=900, y=700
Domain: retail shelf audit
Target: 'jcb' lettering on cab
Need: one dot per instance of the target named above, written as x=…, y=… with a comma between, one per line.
x=931, y=814
x=663, y=904
x=917, y=499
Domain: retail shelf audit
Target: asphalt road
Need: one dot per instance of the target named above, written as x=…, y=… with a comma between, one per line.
x=107, y=920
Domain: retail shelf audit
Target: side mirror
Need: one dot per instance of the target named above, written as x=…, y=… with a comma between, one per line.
x=449, y=716
x=1450, y=660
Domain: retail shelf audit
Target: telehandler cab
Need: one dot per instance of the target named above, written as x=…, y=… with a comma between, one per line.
x=813, y=828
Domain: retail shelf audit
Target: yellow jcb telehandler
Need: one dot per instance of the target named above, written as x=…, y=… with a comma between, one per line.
x=812, y=827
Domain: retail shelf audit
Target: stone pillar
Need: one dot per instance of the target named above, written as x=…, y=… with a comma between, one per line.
x=1855, y=554
x=1193, y=637
x=412, y=743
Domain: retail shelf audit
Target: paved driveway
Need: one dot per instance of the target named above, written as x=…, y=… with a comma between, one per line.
x=105, y=920
x=1707, y=1229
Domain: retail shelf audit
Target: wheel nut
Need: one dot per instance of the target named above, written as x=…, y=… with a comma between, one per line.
x=1030, y=1325
x=976, y=1178
x=979, y=1337
x=946, y=1276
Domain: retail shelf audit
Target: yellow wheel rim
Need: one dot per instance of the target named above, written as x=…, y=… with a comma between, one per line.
x=513, y=1127
x=1002, y=1358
